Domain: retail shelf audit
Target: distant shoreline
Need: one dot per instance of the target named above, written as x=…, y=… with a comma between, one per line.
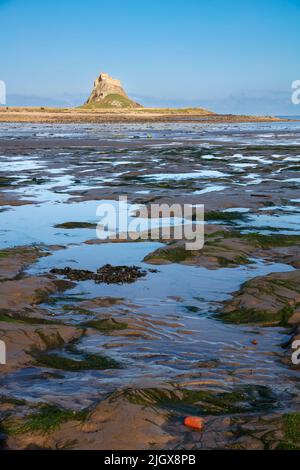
x=126, y=115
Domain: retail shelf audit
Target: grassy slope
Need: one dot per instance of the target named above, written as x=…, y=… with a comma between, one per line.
x=112, y=101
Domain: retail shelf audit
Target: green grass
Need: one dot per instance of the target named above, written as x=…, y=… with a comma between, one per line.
x=142, y=110
x=113, y=100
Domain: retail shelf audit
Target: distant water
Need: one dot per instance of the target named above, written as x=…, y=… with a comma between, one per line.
x=290, y=117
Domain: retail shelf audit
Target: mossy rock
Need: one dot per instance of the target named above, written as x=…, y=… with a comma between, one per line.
x=248, y=316
x=105, y=325
x=84, y=362
x=19, y=318
x=171, y=254
x=272, y=241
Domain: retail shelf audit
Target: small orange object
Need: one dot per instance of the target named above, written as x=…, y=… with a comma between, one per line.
x=254, y=341
x=194, y=422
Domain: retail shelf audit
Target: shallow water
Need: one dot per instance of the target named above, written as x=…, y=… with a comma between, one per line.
x=178, y=333
x=173, y=309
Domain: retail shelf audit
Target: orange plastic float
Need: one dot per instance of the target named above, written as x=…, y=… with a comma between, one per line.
x=194, y=422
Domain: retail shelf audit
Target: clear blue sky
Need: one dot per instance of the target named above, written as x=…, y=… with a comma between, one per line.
x=186, y=51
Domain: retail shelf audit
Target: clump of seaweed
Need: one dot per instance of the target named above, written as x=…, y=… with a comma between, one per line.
x=85, y=362
x=108, y=274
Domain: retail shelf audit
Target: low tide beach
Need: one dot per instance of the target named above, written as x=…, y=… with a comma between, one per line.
x=119, y=360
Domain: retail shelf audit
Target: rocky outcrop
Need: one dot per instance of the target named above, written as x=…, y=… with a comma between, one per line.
x=272, y=299
x=108, y=92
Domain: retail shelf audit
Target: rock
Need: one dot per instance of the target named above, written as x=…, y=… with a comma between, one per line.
x=14, y=260
x=28, y=291
x=21, y=339
x=295, y=318
x=108, y=92
x=114, y=424
x=271, y=299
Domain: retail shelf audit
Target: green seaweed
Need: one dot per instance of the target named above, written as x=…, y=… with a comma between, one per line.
x=174, y=255
x=107, y=324
x=47, y=419
x=204, y=401
x=18, y=318
x=248, y=316
x=78, y=310
x=86, y=362
x=225, y=216
x=10, y=400
x=291, y=429
x=271, y=241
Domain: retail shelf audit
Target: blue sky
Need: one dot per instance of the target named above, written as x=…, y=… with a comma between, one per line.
x=237, y=56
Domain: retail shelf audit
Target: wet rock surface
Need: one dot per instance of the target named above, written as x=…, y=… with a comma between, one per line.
x=138, y=419
x=224, y=248
x=14, y=260
x=115, y=363
x=272, y=299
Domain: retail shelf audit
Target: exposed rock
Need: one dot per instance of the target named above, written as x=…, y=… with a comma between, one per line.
x=19, y=294
x=114, y=424
x=14, y=260
x=271, y=299
x=20, y=339
x=108, y=92
x=224, y=248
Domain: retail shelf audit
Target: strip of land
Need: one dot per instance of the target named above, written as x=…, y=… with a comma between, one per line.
x=96, y=115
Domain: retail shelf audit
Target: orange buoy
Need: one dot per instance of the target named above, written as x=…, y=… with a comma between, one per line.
x=194, y=422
